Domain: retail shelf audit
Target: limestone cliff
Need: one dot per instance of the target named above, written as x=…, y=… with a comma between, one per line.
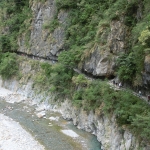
x=43, y=42
x=99, y=59
x=146, y=73
x=104, y=127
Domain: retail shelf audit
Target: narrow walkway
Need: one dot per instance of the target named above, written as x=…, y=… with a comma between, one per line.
x=86, y=76
x=116, y=87
x=37, y=57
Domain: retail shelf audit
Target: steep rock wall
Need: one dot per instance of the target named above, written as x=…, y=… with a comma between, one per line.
x=105, y=128
x=101, y=58
x=146, y=73
x=44, y=42
x=101, y=61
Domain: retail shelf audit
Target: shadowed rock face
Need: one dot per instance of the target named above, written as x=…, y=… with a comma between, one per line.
x=117, y=37
x=43, y=42
x=101, y=61
x=146, y=73
x=146, y=80
x=99, y=64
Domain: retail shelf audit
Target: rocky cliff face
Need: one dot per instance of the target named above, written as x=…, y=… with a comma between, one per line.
x=101, y=61
x=44, y=42
x=146, y=73
x=104, y=127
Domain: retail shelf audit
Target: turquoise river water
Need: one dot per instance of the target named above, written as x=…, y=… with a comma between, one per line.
x=47, y=132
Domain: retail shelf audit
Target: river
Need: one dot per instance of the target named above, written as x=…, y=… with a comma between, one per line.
x=49, y=132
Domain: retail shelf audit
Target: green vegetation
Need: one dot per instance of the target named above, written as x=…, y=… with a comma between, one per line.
x=130, y=111
x=130, y=65
x=15, y=20
x=8, y=65
x=52, y=25
x=88, y=25
x=145, y=37
x=138, y=44
x=83, y=20
x=57, y=78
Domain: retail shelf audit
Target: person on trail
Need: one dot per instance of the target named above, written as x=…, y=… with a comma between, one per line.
x=140, y=93
x=113, y=82
x=120, y=85
x=116, y=83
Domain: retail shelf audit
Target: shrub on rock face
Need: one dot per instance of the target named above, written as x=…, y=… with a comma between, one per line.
x=126, y=67
x=5, y=43
x=145, y=37
x=8, y=65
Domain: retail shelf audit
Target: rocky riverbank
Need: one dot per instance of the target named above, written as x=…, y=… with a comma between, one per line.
x=26, y=123
x=12, y=135
x=105, y=128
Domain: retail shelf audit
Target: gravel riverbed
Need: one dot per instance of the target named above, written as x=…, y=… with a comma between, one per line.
x=24, y=126
x=14, y=137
